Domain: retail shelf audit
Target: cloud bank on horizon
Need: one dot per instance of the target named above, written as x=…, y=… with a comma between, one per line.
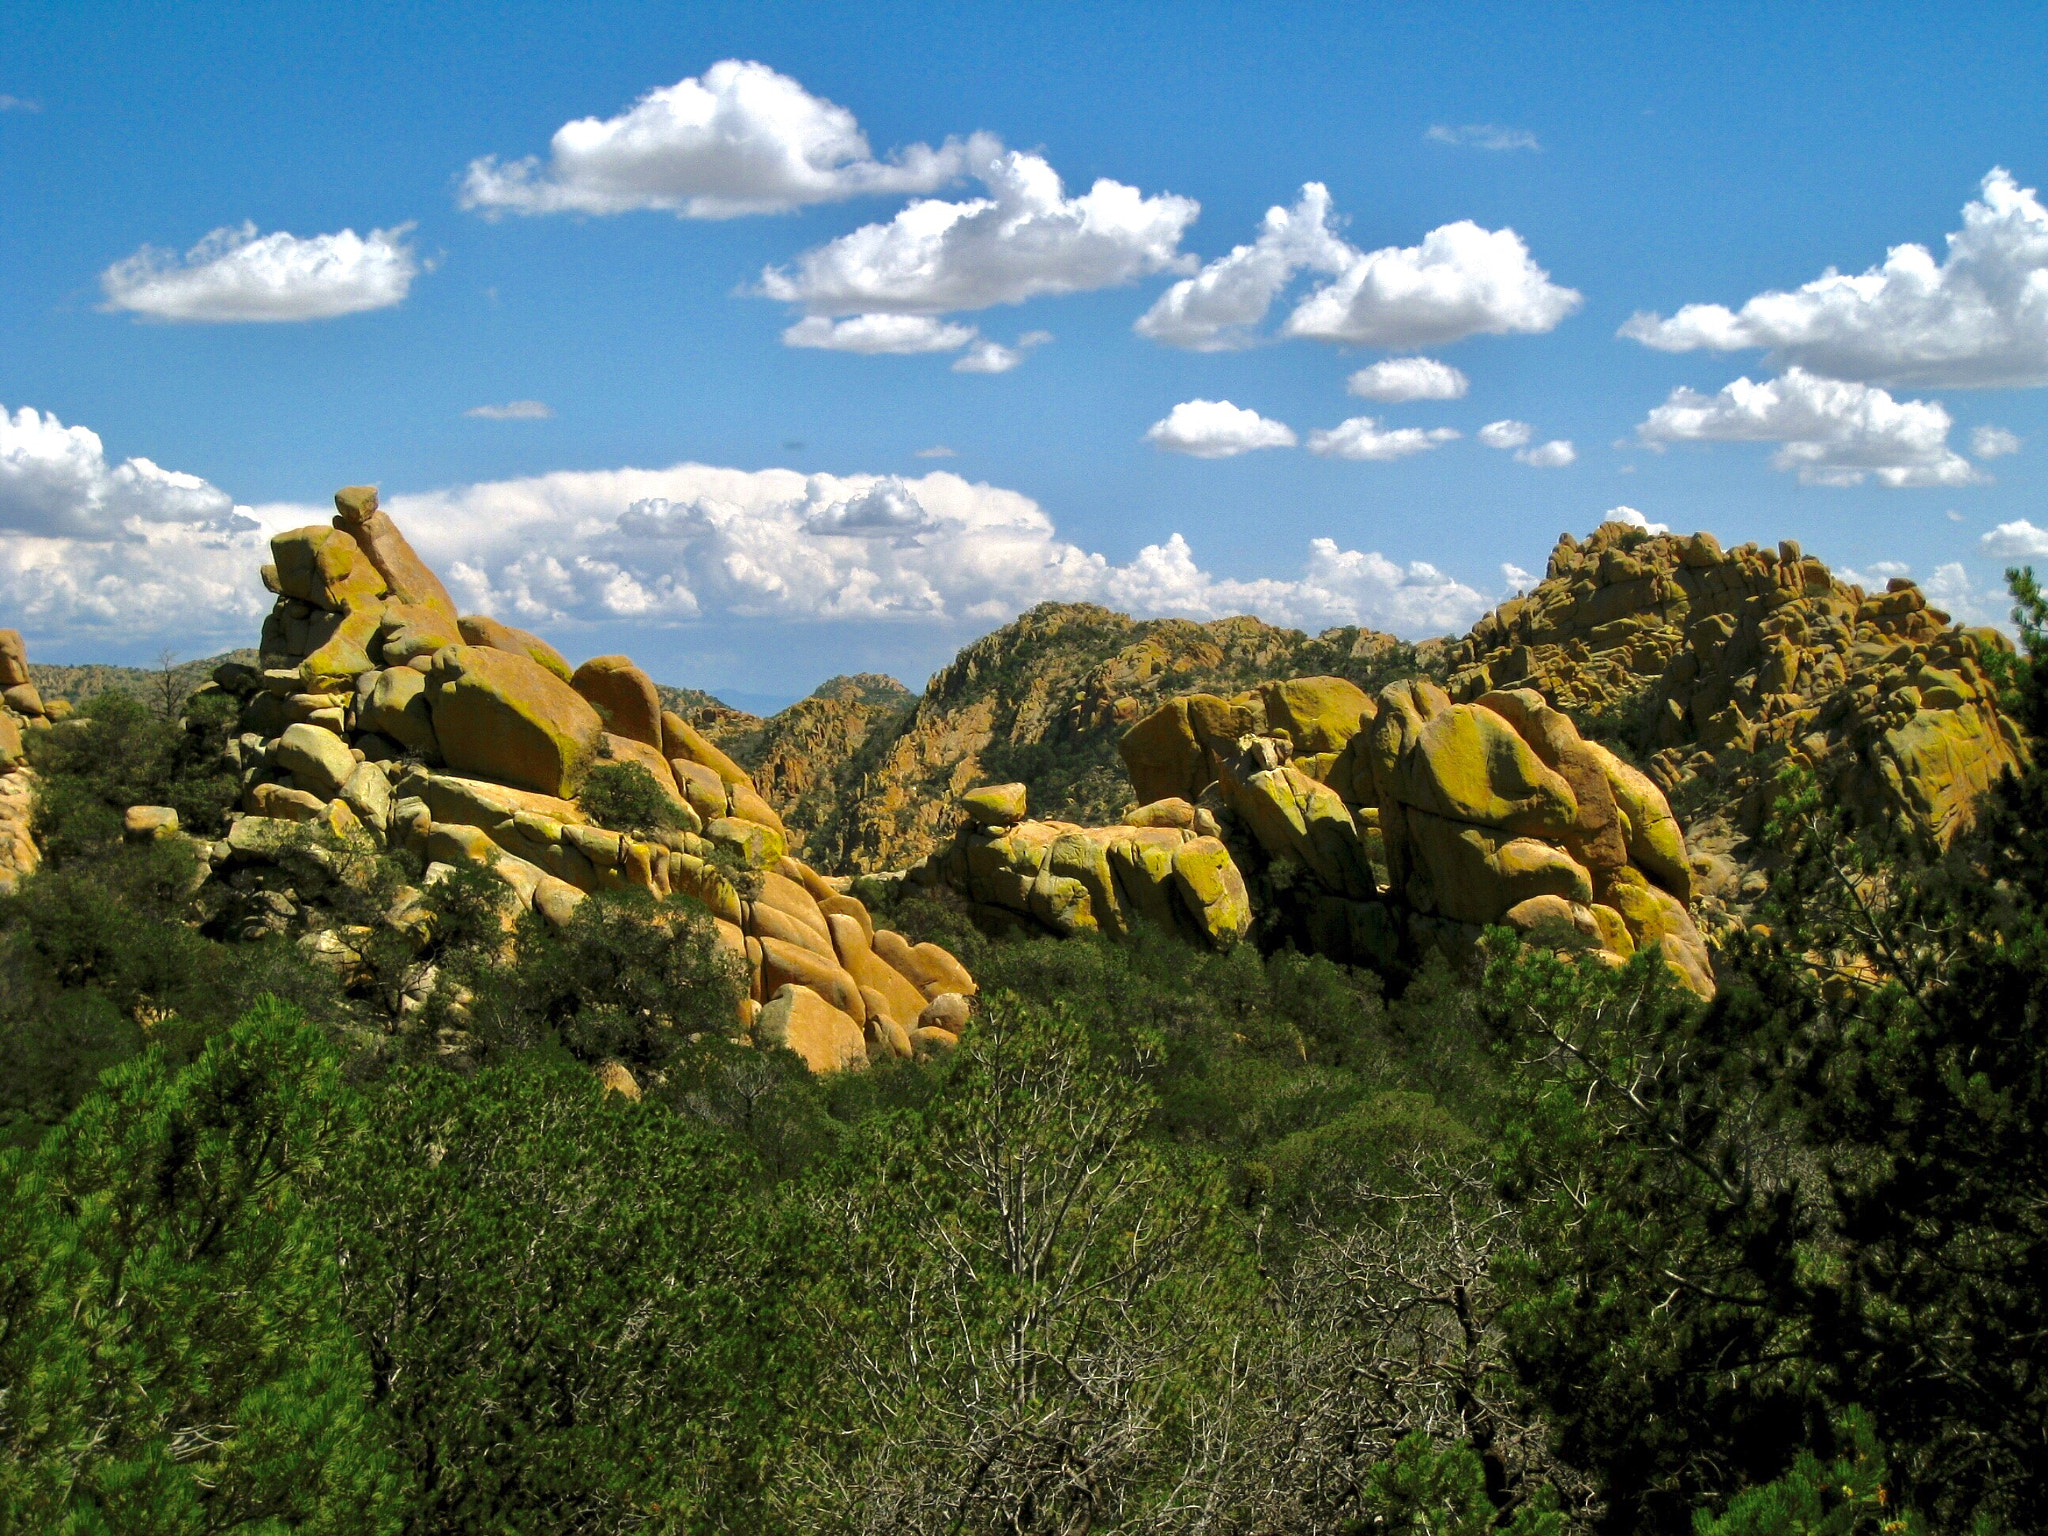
x=93, y=546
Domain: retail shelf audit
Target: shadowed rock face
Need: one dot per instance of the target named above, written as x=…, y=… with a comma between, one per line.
x=377, y=713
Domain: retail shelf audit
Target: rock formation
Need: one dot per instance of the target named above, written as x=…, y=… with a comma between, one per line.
x=378, y=713
x=1042, y=699
x=1738, y=661
x=1165, y=865
x=21, y=710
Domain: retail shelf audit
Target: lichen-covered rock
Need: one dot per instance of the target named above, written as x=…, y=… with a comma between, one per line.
x=995, y=805
x=624, y=695
x=318, y=760
x=482, y=629
x=504, y=716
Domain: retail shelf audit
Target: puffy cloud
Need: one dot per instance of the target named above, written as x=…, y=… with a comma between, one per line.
x=741, y=139
x=1399, y=379
x=1993, y=442
x=1630, y=517
x=1461, y=281
x=1554, y=454
x=987, y=356
x=19, y=104
x=879, y=333
x=1978, y=319
x=1833, y=432
x=1506, y=434
x=113, y=552
x=1482, y=136
x=1518, y=580
x=236, y=274
x=120, y=550
x=2019, y=540
x=1026, y=238
x=1874, y=575
x=1363, y=438
x=698, y=543
x=1338, y=586
x=1951, y=589
x=512, y=410
x=1217, y=308
x=1216, y=429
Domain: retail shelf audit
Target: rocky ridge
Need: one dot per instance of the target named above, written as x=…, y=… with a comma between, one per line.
x=1375, y=828
x=1043, y=700
x=376, y=715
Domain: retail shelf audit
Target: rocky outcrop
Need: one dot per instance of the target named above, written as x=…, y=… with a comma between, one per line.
x=1043, y=700
x=378, y=717
x=1731, y=663
x=1164, y=866
x=21, y=711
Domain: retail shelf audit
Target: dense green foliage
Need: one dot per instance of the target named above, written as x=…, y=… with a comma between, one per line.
x=626, y=795
x=1172, y=1242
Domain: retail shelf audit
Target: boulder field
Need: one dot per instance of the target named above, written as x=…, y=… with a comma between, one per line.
x=378, y=713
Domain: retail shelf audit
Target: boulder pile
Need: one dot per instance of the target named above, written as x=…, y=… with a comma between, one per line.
x=378, y=714
x=21, y=709
x=1165, y=865
x=1413, y=821
x=1747, y=658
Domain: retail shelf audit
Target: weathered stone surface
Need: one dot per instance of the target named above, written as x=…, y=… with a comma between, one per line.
x=318, y=759
x=799, y=1019
x=1212, y=891
x=504, y=716
x=481, y=629
x=624, y=749
x=783, y=963
x=624, y=695
x=1655, y=844
x=1320, y=714
x=681, y=739
x=13, y=659
x=406, y=576
x=995, y=805
x=10, y=743
x=948, y=1011
x=147, y=823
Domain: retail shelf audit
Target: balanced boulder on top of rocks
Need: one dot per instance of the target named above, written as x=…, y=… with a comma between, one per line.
x=378, y=712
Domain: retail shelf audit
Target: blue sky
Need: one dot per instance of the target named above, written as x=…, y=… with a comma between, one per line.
x=1601, y=161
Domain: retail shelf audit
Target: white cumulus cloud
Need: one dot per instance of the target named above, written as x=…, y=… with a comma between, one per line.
x=1399, y=379
x=1554, y=454
x=1362, y=437
x=741, y=139
x=90, y=546
x=1024, y=239
x=1977, y=319
x=987, y=356
x=99, y=552
x=2019, y=540
x=1216, y=429
x=1630, y=517
x=1993, y=442
x=1461, y=281
x=1218, y=308
x=1506, y=434
x=873, y=334
x=1833, y=432
x=237, y=274
x=1951, y=590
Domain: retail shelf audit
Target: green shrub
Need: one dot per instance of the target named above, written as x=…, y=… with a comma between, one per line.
x=627, y=798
